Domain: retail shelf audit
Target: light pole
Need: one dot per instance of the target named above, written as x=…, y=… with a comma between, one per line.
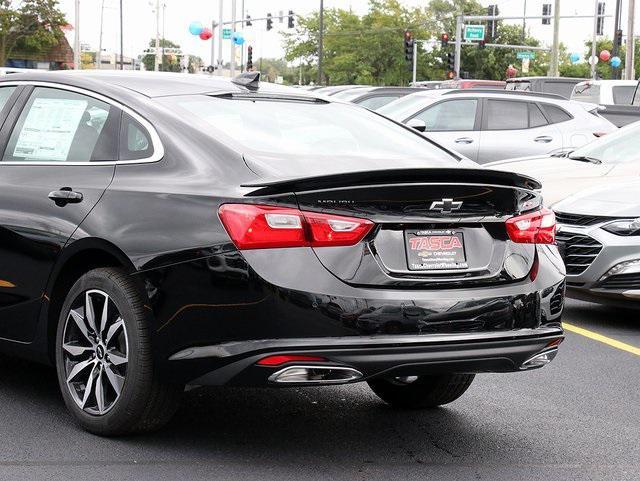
x=122, y=39
x=320, y=42
x=158, y=53
x=76, y=39
x=629, y=64
x=99, y=53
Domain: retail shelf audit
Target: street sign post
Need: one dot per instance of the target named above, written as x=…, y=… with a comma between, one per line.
x=526, y=55
x=226, y=34
x=473, y=32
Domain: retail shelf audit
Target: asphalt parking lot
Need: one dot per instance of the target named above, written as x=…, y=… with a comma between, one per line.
x=578, y=418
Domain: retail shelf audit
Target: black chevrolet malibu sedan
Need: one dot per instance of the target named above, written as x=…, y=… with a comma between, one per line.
x=158, y=231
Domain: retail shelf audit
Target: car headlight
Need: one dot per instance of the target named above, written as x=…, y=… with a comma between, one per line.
x=624, y=227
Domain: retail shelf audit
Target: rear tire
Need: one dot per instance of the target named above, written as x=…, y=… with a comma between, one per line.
x=104, y=358
x=423, y=391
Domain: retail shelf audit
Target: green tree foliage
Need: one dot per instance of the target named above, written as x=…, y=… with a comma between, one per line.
x=170, y=63
x=370, y=50
x=29, y=25
x=603, y=69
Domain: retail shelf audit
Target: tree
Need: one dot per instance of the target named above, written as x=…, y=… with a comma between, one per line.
x=34, y=25
x=169, y=62
x=369, y=49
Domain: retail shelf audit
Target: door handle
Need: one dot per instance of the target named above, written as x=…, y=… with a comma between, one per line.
x=464, y=140
x=544, y=139
x=65, y=196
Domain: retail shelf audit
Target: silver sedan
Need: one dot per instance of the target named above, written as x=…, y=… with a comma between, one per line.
x=599, y=238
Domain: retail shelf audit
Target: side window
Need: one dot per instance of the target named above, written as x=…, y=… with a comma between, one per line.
x=135, y=142
x=623, y=94
x=5, y=93
x=506, y=115
x=451, y=115
x=555, y=114
x=536, y=119
x=63, y=126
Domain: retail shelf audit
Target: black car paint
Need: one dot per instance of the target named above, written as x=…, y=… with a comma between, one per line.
x=159, y=221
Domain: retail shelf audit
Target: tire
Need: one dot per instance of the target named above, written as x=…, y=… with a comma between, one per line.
x=421, y=392
x=125, y=393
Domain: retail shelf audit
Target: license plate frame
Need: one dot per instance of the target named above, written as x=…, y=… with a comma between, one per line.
x=435, y=249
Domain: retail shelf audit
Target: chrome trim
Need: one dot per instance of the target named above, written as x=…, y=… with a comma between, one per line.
x=236, y=348
x=354, y=375
x=158, y=148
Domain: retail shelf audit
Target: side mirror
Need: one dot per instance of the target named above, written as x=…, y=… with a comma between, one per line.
x=417, y=124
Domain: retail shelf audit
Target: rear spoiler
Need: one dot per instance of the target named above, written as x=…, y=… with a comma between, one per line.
x=392, y=176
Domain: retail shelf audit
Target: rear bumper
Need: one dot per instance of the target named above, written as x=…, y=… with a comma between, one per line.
x=376, y=356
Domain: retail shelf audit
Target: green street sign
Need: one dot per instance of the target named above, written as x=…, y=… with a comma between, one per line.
x=526, y=55
x=473, y=32
x=226, y=33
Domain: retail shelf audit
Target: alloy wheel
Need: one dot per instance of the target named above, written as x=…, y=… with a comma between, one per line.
x=95, y=352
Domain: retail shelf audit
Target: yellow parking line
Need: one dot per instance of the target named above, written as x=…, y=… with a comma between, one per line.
x=604, y=339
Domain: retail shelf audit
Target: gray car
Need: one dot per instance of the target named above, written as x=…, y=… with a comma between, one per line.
x=488, y=125
x=598, y=236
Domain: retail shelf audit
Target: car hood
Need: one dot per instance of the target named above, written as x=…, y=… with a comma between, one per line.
x=619, y=199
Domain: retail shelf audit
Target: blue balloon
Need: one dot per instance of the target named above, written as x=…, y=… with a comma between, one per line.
x=238, y=38
x=615, y=62
x=575, y=57
x=195, y=28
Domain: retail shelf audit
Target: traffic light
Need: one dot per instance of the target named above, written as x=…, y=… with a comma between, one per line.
x=408, y=46
x=482, y=44
x=546, y=12
x=493, y=11
x=444, y=40
x=269, y=22
x=290, y=24
x=249, y=57
x=619, y=36
x=600, y=20
x=247, y=21
x=451, y=62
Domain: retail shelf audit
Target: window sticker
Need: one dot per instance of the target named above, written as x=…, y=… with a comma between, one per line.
x=49, y=129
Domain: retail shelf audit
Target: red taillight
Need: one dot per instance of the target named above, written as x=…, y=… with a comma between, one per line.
x=267, y=227
x=537, y=227
x=278, y=360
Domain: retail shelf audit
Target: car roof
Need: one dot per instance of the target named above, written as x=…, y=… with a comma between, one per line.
x=528, y=79
x=609, y=82
x=149, y=84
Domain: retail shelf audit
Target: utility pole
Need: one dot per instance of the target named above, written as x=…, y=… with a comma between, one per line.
x=242, y=69
x=233, y=43
x=594, y=40
x=220, y=34
x=164, y=13
x=99, y=52
x=76, y=39
x=554, y=70
x=320, y=42
x=414, y=66
x=629, y=65
x=122, y=40
x=158, y=53
x=458, y=54
x=524, y=22
x=615, y=72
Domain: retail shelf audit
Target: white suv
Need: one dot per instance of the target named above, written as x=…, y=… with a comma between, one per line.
x=489, y=125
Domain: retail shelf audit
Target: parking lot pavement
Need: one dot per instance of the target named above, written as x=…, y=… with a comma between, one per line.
x=578, y=418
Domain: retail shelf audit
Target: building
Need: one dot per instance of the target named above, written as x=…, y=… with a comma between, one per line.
x=58, y=57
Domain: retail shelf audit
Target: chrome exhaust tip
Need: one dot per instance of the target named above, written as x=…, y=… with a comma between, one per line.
x=539, y=360
x=315, y=375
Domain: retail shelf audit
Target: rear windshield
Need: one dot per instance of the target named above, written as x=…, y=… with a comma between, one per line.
x=623, y=94
x=558, y=87
x=303, y=128
x=586, y=93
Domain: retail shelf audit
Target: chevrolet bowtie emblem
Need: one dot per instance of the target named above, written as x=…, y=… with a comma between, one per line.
x=446, y=206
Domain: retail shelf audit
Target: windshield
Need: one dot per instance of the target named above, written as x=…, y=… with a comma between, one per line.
x=616, y=148
x=304, y=128
x=404, y=107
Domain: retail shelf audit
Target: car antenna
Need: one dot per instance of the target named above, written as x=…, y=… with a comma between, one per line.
x=249, y=80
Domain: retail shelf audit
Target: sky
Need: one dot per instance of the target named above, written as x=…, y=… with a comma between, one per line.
x=140, y=21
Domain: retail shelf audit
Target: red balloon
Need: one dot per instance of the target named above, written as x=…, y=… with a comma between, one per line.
x=206, y=34
x=605, y=55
